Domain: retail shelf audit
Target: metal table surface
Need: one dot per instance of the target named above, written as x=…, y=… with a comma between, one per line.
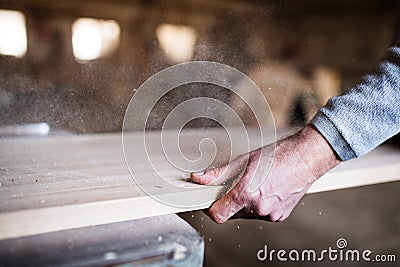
x=154, y=241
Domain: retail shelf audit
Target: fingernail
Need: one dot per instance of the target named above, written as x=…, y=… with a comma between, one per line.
x=199, y=173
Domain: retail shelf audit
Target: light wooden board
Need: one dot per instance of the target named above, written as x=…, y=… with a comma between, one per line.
x=57, y=183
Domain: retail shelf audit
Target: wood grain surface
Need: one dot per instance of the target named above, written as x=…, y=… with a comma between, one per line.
x=64, y=182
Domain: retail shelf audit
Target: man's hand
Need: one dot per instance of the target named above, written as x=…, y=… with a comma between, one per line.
x=299, y=161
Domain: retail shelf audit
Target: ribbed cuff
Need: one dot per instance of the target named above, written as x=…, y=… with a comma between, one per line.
x=329, y=131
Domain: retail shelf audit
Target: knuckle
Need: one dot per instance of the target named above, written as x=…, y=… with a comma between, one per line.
x=262, y=205
x=260, y=209
x=240, y=197
x=216, y=216
x=216, y=172
x=274, y=217
x=281, y=219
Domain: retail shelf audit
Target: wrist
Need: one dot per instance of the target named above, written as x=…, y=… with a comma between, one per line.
x=316, y=153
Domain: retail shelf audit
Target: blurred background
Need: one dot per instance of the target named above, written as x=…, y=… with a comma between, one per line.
x=76, y=64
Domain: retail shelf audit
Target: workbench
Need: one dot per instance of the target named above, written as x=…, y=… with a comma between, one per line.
x=79, y=186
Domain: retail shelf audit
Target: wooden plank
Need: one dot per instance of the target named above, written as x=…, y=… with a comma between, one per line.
x=56, y=218
x=57, y=183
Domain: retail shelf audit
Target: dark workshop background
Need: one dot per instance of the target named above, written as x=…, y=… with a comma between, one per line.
x=310, y=49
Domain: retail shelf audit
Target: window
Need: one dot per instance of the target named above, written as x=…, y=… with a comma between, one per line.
x=93, y=38
x=13, y=40
x=177, y=41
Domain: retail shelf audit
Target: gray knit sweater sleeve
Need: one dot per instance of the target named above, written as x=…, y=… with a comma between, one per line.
x=368, y=114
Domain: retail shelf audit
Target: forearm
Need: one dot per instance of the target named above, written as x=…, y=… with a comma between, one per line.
x=316, y=152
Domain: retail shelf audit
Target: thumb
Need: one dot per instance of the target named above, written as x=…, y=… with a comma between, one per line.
x=208, y=176
x=219, y=175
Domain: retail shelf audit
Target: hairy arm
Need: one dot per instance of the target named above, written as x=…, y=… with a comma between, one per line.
x=299, y=160
x=349, y=126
